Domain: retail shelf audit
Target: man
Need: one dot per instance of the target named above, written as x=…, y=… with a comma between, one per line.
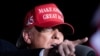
x=44, y=28
x=43, y=34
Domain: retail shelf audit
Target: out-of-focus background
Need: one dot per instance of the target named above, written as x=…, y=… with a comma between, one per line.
x=79, y=13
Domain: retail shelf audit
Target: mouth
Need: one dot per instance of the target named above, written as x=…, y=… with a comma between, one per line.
x=54, y=45
x=51, y=46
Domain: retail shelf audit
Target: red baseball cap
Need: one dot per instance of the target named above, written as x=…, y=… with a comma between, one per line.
x=45, y=15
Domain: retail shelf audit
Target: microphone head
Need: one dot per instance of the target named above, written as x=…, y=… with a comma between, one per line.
x=82, y=50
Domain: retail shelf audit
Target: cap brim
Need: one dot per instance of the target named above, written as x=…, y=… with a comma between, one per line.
x=68, y=28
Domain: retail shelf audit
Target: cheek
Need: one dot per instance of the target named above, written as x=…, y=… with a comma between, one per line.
x=61, y=40
x=61, y=37
x=45, y=39
x=42, y=41
x=46, y=36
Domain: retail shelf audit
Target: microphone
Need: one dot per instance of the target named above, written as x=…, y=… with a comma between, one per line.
x=82, y=50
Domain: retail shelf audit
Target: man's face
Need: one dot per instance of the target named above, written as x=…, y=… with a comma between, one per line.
x=45, y=38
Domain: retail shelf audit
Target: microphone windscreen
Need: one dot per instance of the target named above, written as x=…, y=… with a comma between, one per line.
x=82, y=50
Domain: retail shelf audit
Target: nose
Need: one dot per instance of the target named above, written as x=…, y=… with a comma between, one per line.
x=57, y=37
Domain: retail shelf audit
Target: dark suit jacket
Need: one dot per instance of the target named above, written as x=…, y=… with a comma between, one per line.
x=8, y=49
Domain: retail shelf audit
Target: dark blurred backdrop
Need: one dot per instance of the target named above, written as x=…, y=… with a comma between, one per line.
x=77, y=12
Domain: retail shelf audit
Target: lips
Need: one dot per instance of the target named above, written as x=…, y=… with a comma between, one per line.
x=53, y=45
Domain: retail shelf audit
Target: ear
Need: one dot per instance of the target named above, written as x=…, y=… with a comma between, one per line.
x=26, y=37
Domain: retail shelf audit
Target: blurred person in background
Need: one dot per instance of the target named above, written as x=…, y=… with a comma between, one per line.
x=95, y=37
